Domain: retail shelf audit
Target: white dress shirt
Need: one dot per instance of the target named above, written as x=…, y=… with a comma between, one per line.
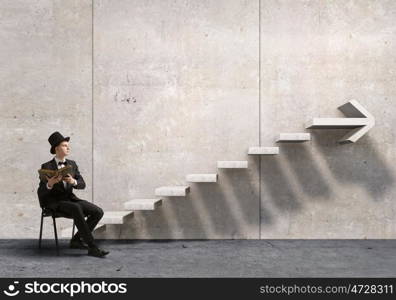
x=59, y=167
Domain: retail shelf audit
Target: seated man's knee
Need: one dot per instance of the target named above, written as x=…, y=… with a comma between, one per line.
x=99, y=212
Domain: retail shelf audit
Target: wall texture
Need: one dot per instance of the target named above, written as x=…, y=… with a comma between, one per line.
x=178, y=85
x=45, y=83
x=317, y=55
x=176, y=89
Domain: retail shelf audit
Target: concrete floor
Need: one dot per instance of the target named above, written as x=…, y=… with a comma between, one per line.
x=203, y=258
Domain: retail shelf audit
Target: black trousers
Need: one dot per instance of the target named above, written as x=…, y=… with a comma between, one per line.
x=79, y=209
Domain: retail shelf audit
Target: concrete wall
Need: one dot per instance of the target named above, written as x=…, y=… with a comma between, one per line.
x=316, y=55
x=176, y=88
x=45, y=83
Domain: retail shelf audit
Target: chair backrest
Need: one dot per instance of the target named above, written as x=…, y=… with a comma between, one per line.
x=41, y=202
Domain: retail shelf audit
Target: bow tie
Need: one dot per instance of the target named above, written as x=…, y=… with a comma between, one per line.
x=62, y=163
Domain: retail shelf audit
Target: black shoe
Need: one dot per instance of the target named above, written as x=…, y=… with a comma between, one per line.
x=77, y=244
x=95, y=251
x=104, y=251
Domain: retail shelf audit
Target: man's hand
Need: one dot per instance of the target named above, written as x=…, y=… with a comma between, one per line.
x=54, y=179
x=69, y=179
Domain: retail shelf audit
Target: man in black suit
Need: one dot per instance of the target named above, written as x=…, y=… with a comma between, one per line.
x=57, y=194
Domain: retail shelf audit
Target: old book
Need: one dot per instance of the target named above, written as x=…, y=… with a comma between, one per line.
x=50, y=173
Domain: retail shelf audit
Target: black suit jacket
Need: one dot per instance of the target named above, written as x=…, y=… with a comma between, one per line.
x=50, y=198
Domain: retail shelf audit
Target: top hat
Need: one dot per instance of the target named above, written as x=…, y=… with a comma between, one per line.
x=55, y=139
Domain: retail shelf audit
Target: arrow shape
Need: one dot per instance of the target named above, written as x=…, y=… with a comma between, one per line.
x=358, y=118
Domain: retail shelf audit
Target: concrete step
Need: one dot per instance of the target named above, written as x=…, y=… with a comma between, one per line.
x=142, y=204
x=201, y=177
x=115, y=217
x=232, y=164
x=67, y=232
x=294, y=137
x=263, y=150
x=337, y=123
x=170, y=191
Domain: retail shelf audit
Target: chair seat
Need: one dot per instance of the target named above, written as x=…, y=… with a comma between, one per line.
x=47, y=212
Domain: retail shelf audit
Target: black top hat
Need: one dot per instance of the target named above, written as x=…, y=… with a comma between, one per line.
x=55, y=139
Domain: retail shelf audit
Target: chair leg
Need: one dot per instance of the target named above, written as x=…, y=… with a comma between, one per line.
x=41, y=230
x=73, y=228
x=56, y=235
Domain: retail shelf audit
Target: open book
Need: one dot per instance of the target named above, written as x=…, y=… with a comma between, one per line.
x=50, y=173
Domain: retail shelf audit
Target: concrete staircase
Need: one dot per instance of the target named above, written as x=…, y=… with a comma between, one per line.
x=115, y=217
x=201, y=177
x=293, y=137
x=263, y=150
x=143, y=204
x=360, y=120
x=172, y=191
x=232, y=164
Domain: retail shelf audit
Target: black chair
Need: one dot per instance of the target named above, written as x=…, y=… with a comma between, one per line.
x=47, y=212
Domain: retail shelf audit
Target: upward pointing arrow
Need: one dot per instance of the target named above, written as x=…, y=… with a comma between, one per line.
x=358, y=118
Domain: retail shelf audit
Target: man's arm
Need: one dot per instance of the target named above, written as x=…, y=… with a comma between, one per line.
x=43, y=189
x=79, y=179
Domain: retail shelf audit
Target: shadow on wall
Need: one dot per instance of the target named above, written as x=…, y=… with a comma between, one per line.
x=305, y=169
x=276, y=187
x=214, y=211
x=208, y=211
x=359, y=163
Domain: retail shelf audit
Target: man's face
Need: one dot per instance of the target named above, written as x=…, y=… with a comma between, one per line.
x=63, y=149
